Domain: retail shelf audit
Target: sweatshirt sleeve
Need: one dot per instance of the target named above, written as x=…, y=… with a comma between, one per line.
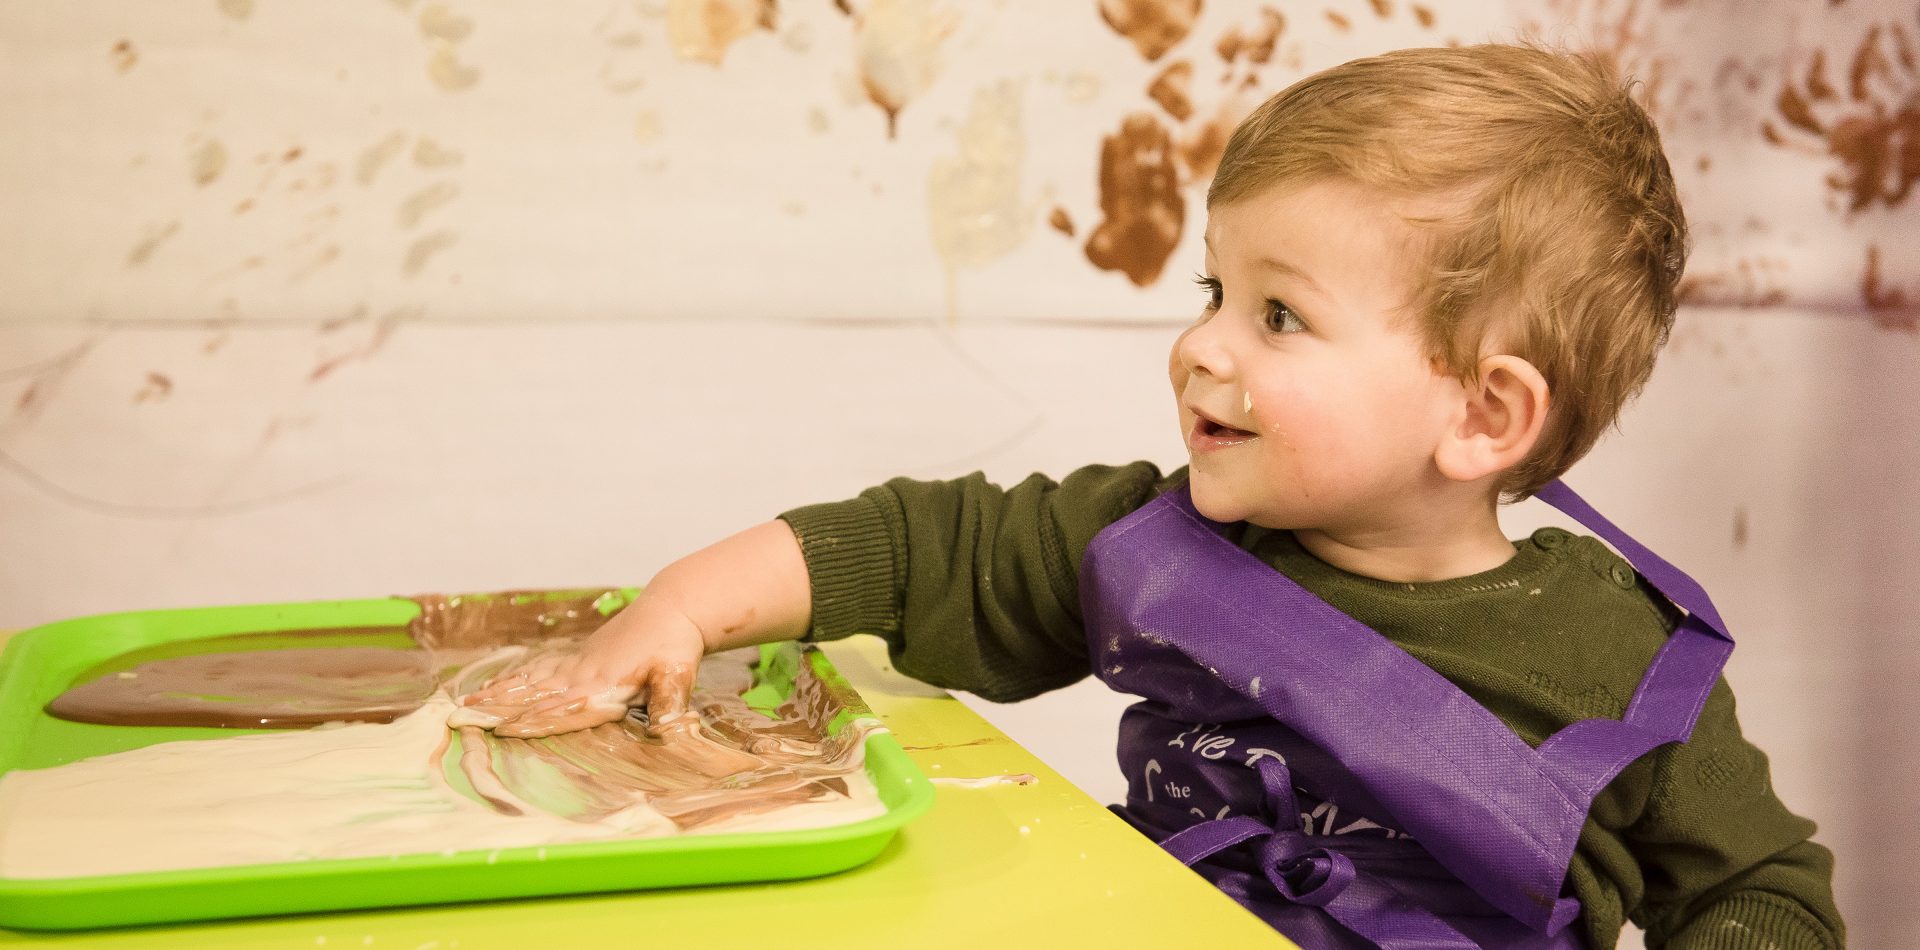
x=1726, y=864
x=974, y=587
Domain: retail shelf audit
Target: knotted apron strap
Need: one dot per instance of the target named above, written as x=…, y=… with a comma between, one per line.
x=1486, y=806
x=1586, y=755
x=1318, y=876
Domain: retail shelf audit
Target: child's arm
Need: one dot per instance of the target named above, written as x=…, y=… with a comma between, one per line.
x=747, y=589
x=1726, y=863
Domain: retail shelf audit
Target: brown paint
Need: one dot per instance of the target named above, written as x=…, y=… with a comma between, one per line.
x=1739, y=528
x=158, y=387
x=381, y=332
x=1256, y=43
x=1903, y=49
x=1204, y=143
x=1140, y=197
x=156, y=235
x=1794, y=109
x=1061, y=221
x=1888, y=305
x=1382, y=8
x=1818, y=89
x=1152, y=26
x=1339, y=21
x=1749, y=283
x=1423, y=16
x=726, y=760
x=259, y=681
x=124, y=56
x=508, y=617
x=1880, y=153
x=1868, y=62
x=1172, y=89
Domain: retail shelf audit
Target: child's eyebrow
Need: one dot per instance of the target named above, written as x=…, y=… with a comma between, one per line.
x=1280, y=267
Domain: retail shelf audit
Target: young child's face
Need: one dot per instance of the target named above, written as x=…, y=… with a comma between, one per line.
x=1306, y=396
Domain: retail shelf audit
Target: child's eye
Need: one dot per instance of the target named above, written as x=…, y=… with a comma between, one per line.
x=1281, y=318
x=1212, y=286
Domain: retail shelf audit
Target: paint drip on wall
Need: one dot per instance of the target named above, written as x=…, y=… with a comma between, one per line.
x=974, y=205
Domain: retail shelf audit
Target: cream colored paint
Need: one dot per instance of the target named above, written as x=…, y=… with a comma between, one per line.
x=352, y=791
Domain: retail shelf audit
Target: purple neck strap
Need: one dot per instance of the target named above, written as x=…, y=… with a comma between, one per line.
x=1500, y=815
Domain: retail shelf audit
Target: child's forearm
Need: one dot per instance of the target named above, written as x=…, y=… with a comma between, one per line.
x=747, y=589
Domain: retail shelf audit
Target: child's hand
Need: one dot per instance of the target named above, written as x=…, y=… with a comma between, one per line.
x=748, y=589
x=640, y=657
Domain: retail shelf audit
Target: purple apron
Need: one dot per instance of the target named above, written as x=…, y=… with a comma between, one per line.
x=1326, y=779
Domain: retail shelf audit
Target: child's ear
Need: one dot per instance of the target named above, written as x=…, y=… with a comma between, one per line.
x=1500, y=420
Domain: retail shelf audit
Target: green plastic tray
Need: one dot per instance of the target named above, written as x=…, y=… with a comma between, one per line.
x=40, y=663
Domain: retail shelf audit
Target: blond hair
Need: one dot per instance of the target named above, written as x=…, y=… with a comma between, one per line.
x=1565, y=241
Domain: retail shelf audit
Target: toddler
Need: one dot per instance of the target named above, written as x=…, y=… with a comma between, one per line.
x=1432, y=278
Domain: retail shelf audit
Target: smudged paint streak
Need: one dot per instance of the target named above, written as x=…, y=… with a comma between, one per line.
x=430, y=154
x=1152, y=26
x=1061, y=221
x=897, y=45
x=421, y=203
x=382, y=332
x=701, y=30
x=207, y=162
x=1140, y=197
x=124, y=56
x=446, y=70
x=157, y=234
x=423, y=250
x=376, y=157
x=1888, y=305
x=973, y=197
x=1750, y=283
x=158, y=386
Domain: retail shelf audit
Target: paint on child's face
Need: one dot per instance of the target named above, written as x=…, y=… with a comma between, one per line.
x=1306, y=397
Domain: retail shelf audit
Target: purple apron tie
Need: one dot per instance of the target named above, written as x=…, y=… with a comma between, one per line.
x=1497, y=814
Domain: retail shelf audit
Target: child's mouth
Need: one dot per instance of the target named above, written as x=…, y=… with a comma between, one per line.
x=1208, y=435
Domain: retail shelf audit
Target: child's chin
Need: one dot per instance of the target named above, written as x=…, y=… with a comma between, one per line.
x=1214, y=506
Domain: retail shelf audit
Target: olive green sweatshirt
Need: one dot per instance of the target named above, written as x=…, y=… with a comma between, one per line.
x=976, y=588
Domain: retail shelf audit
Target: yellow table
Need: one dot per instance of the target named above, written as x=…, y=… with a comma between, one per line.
x=1000, y=865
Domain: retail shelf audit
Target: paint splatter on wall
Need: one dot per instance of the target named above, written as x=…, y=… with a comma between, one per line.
x=471, y=161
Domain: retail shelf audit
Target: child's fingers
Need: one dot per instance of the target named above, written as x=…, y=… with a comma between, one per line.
x=524, y=695
x=567, y=713
x=668, y=690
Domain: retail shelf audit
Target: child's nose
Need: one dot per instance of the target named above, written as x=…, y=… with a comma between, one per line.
x=1202, y=349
